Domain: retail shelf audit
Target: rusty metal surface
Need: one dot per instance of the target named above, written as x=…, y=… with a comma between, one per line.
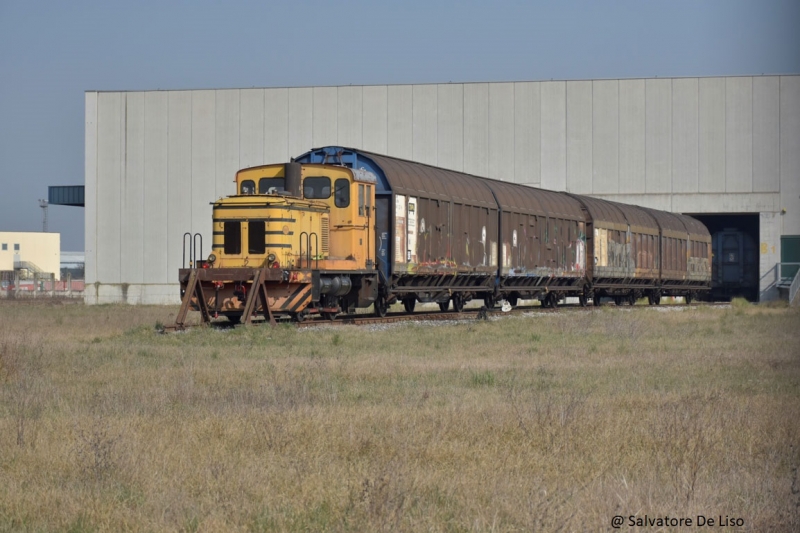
x=667, y=221
x=228, y=274
x=694, y=227
x=529, y=200
x=640, y=219
x=417, y=179
x=604, y=213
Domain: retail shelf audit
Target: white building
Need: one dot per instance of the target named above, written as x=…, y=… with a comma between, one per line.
x=707, y=146
x=30, y=253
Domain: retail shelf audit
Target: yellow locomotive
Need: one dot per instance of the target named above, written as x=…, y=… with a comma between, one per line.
x=296, y=239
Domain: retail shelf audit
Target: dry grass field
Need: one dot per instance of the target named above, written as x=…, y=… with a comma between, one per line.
x=547, y=422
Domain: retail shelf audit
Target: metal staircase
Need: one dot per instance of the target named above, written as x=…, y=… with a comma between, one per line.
x=31, y=268
x=789, y=282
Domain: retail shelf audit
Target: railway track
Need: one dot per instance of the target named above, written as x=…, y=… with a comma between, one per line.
x=465, y=315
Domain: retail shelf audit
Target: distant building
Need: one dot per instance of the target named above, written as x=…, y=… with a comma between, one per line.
x=73, y=264
x=30, y=254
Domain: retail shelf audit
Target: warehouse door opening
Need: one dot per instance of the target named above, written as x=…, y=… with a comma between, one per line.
x=735, y=261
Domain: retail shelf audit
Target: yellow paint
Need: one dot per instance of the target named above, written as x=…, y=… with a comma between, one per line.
x=763, y=247
x=345, y=236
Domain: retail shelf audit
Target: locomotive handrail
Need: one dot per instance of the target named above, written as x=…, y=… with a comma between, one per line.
x=194, y=240
x=308, y=249
x=192, y=249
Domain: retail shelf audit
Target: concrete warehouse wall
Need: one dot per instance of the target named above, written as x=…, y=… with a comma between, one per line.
x=155, y=159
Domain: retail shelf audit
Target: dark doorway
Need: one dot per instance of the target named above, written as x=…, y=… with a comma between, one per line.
x=735, y=263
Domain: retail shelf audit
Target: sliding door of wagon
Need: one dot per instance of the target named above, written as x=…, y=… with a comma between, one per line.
x=433, y=229
x=474, y=238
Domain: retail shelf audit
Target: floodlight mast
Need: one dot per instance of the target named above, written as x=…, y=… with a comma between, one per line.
x=43, y=204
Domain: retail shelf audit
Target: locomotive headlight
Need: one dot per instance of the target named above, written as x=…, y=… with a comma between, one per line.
x=271, y=258
x=212, y=258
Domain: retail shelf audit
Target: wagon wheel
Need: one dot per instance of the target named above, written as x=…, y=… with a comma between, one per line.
x=596, y=298
x=380, y=306
x=553, y=297
x=651, y=298
x=688, y=298
x=513, y=299
x=443, y=306
x=329, y=315
x=458, y=302
x=583, y=300
x=489, y=301
x=617, y=300
x=234, y=319
x=632, y=298
x=409, y=303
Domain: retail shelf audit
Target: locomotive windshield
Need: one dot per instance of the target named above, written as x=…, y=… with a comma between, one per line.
x=271, y=185
x=317, y=188
x=248, y=187
x=342, y=193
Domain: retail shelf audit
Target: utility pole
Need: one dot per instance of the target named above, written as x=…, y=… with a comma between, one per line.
x=43, y=205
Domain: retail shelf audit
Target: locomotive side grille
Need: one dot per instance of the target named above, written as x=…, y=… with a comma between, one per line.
x=325, y=235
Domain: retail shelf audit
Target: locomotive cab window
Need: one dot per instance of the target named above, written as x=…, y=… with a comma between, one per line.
x=255, y=237
x=341, y=194
x=248, y=187
x=271, y=185
x=233, y=238
x=317, y=188
x=360, y=200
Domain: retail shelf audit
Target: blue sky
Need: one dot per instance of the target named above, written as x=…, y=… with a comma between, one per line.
x=53, y=51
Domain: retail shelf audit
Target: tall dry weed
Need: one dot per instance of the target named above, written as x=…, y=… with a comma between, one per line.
x=21, y=361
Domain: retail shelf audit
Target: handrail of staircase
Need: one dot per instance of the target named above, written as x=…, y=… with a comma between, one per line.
x=795, y=286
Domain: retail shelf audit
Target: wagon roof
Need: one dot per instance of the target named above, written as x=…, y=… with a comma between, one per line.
x=693, y=226
x=517, y=198
x=417, y=179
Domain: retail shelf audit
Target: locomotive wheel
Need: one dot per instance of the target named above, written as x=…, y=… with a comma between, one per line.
x=444, y=306
x=380, y=306
x=299, y=317
x=329, y=315
x=458, y=302
x=409, y=304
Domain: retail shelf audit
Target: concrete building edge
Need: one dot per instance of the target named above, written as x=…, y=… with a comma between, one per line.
x=132, y=293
